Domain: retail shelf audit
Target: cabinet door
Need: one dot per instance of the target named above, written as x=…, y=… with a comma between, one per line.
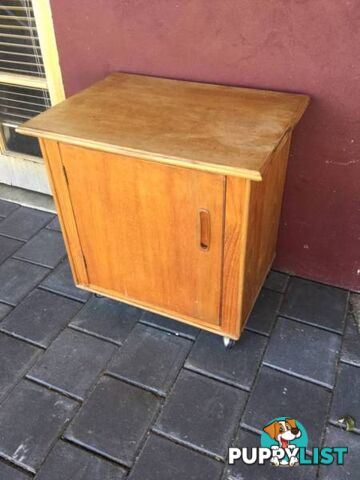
x=150, y=233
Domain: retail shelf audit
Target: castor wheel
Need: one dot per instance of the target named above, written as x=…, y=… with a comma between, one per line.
x=97, y=295
x=228, y=343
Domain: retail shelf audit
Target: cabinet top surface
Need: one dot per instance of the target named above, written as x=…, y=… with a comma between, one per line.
x=230, y=130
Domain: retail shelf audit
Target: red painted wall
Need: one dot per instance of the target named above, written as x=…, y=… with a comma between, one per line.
x=292, y=45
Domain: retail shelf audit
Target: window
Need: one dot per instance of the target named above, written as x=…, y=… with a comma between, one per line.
x=30, y=79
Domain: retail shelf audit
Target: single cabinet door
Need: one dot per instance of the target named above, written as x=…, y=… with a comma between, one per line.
x=150, y=233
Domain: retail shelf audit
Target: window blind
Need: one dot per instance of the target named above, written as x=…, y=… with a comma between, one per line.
x=18, y=104
x=20, y=62
x=19, y=43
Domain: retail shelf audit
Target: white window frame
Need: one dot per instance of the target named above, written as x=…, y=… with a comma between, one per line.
x=13, y=169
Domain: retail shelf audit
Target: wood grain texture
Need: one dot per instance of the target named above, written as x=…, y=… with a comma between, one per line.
x=229, y=130
x=138, y=226
x=235, y=235
x=154, y=184
x=263, y=223
x=59, y=188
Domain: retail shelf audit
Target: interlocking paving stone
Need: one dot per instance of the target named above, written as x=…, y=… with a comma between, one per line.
x=202, y=413
x=4, y=310
x=162, y=459
x=351, y=344
x=169, y=325
x=18, y=278
x=72, y=363
x=7, y=207
x=237, y=366
x=114, y=420
x=24, y=222
x=304, y=350
x=40, y=317
x=54, y=224
x=7, y=472
x=277, y=281
x=336, y=437
x=346, y=394
x=16, y=358
x=67, y=462
x=31, y=418
x=316, y=304
x=107, y=319
x=150, y=358
x=61, y=281
x=277, y=394
x=8, y=246
x=45, y=248
x=241, y=471
x=264, y=313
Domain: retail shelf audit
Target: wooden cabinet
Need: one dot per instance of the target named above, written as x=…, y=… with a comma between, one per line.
x=169, y=193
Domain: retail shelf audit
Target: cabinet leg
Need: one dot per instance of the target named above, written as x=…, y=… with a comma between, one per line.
x=228, y=342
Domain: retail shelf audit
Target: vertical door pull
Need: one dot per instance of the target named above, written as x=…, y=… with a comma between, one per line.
x=204, y=229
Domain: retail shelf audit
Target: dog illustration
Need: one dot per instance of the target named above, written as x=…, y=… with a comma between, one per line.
x=283, y=431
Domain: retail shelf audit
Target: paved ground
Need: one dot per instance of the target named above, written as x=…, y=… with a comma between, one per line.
x=91, y=389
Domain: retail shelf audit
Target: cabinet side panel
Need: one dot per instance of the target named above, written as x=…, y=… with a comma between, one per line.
x=57, y=179
x=236, y=222
x=264, y=215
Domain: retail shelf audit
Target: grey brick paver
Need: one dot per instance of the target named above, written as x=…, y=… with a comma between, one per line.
x=7, y=207
x=46, y=248
x=237, y=366
x=31, y=418
x=24, y=222
x=316, y=304
x=304, y=350
x=18, y=278
x=107, y=319
x=120, y=426
x=202, y=413
x=150, y=358
x=40, y=317
x=68, y=462
x=162, y=459
x=277, y=394
x=277, y=281
x=114, y=420
x=61, y=281
x=72, y=363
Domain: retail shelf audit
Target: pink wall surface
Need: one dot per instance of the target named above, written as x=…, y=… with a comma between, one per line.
x=307, y=46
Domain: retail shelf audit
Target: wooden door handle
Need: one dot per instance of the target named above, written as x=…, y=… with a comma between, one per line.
x=204, y=229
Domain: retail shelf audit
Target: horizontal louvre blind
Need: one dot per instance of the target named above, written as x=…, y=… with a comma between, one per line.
x=19, y=43
x=18, y=104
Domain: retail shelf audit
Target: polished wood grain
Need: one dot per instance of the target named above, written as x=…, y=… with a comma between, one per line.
x=169, y=193
x=138, y=224
x=59, y=188
x=264, y=214
x=235, y=236
x=229, y=130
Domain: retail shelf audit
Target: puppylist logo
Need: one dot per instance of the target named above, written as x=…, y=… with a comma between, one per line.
x=283, y=443
x=284, y=437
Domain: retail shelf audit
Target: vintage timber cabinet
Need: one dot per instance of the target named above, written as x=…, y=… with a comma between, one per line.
x=169, y=192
